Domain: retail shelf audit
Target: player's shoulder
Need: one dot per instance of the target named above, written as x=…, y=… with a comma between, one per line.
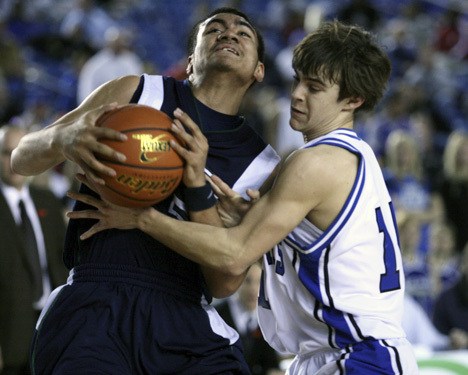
x=319, y=169
x=126, y=83
x=320, y=158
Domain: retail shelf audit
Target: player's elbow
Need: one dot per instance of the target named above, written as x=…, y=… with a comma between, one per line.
x=15, y=165
x=228, y=257
x=222, y=281
x=233, y=266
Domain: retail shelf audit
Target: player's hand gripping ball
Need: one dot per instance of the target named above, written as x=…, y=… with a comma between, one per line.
x=153, y=170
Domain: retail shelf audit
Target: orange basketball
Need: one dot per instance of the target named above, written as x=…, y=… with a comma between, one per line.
x=153, y=169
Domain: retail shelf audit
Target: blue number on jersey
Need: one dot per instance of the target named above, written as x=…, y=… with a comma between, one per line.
x=262, y=300
x=390, y=280
x=279, y=264
x=279, y=269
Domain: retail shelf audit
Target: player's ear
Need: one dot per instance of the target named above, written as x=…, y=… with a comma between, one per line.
x=259, y=72
x=353, y=103
x=189, y=68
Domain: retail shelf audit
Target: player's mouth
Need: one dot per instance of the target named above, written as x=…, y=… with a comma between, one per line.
x=226, y=47
x=296, y=113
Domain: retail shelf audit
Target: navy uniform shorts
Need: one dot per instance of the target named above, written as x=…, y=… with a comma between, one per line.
x=117, y=322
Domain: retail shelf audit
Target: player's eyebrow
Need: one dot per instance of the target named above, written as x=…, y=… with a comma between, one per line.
x=239, y=21
x=315, y=80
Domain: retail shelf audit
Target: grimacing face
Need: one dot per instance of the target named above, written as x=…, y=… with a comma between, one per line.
x=314, y=103
x=226, y=42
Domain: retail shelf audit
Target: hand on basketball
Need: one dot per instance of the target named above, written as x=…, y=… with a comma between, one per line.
x=108, y=215
x=231, y=205
x=79, y=140
x=195, y=151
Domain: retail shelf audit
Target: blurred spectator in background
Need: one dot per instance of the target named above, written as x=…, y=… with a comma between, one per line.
x=411, y=190
x=37, y=113
x=284, y=16
x=417, y=281
x=409, y=227
x=116, y=59
x=240, y=312
x=30, y=255
x=426, y=275
x=453, y=187
x=12, y=73
x=449, y=36
x=284, y=58
x=442, y=261
x=394, y=114
x=401, y=48
x=413, y=198
x=430, y=72
x=451, y=308
x=87, y=22
x=420, y=330
x=4, y=100
x=430, y=143
x=362, y=13
x=419, y=23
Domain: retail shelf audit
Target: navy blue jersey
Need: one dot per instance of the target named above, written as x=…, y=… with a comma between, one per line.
x=133, y=306
x=233, y=147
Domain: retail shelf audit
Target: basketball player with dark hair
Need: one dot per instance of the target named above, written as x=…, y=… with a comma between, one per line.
x=132, y=306
x=333, y=284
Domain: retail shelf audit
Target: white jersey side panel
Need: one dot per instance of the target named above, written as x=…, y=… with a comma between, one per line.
x=335, y=288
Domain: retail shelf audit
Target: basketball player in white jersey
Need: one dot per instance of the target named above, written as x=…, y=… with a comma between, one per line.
x=333, y=283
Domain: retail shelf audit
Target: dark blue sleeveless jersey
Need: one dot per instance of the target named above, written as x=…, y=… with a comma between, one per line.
x=236, y=153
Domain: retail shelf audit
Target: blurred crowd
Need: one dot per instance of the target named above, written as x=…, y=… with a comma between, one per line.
x=53, y=54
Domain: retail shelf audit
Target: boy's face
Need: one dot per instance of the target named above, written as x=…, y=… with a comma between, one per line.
x=226, y=42
x=314, y=103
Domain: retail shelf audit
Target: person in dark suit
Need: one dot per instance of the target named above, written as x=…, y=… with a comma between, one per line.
x=31, y=263
x=240, y=312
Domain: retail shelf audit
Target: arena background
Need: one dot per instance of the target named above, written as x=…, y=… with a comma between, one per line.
x=40, y=65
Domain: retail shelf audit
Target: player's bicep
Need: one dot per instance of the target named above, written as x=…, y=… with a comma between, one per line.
x=279, y=211
x=118, y=91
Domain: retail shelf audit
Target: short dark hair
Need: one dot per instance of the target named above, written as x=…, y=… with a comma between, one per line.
x=192, y=38
x=347, y=55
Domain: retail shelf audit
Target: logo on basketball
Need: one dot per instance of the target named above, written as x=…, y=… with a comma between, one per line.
x=153, y=169
x=137, y=185
x=150, y=144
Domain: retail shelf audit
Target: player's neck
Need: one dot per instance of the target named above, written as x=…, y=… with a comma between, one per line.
x=314, y=133
x=223, y=94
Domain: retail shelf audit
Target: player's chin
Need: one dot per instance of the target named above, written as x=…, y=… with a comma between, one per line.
x=295, y=124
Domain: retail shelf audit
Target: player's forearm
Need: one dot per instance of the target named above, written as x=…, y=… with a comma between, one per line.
x=204, y=244
x=209, y=216
x=36, y=152
x=220, y=284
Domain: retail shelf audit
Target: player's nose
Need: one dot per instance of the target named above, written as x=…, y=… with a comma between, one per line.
x=228, y=34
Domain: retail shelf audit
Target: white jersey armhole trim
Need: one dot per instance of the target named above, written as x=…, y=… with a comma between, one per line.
x=153, y=91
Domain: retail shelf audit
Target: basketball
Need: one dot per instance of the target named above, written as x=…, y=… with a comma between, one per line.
x=153, y=170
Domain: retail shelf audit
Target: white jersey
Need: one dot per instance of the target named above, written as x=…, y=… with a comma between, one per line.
x=334, y=288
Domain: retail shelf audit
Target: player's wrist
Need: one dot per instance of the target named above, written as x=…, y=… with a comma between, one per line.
x=195, y=183
x=145, y=220
x=199, y=198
